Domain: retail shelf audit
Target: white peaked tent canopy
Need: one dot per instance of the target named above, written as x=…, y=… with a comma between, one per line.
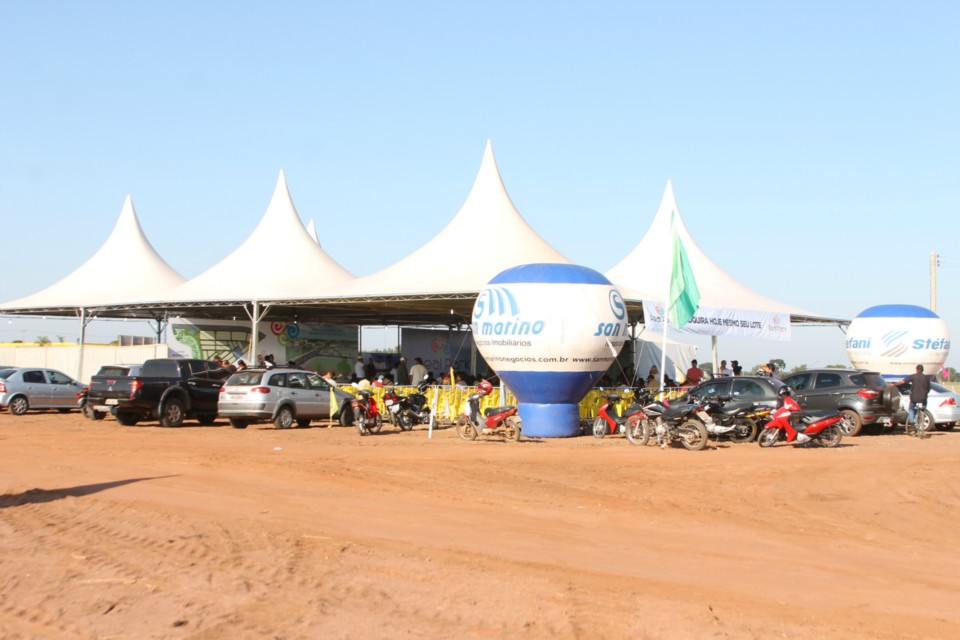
x=487, y=227
x=644, y=274
x=245, y=275
x=312, y=230
x=124, y=268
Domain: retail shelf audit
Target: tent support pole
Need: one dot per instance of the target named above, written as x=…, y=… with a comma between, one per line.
x=256, y=314
x=83, y=340
x=714, y=356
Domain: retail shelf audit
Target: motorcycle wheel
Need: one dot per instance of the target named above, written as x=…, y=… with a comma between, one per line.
x=638, y=431
x=744, y=431
x=599, y=427
x=405, y=421
x=830, y=437
x=360, y=421
x=768, y=437
x=465, y=429
x=511, y=429
x=375, y=425
x=90, y=414
x=693, y=435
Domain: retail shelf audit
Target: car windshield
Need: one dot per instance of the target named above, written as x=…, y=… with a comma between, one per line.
x=939, y=388
x=245, y=379
x=6, y=373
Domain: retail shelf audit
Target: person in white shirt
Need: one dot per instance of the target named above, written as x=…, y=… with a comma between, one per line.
x=724, y=371
x=417, y=371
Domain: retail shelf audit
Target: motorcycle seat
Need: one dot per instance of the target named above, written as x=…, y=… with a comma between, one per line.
x=809, y=417
x=492, y=411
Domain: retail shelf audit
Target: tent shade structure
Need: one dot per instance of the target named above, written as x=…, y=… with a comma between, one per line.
x=280, y=259
x=644, y=274
x=430, y=286
x=126, y=267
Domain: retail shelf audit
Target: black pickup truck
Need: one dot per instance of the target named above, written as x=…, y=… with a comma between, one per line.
x=168, y=389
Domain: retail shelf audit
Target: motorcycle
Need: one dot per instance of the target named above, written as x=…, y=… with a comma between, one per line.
x=822, y=428
x=85, y=409
x=502, y=421
x=737, y=422
x=406, y=411
x=631, y=422
x=678, y=423
x=366, y=416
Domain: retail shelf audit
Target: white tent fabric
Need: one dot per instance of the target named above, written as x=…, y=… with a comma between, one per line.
x=648, y=353
x=302, y=267
x=125, y=267
x=644, y=274
x=488, y=227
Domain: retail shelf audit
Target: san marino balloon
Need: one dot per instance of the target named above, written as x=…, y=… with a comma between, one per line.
x=550, y=331
x=894, y=338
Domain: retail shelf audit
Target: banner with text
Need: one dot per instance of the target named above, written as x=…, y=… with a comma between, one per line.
x=715, y=321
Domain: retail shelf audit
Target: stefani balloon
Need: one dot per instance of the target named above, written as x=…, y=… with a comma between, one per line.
x=894, y=338
x=550, y=331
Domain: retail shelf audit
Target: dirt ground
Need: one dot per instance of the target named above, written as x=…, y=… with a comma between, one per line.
x=213, y=532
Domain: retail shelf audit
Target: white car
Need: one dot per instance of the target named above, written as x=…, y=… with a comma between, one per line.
x=35, y=388
x=943, y=405
x=282, y=396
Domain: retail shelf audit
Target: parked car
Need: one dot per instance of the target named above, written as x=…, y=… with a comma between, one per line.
x=863, y=397
x=740, y=389
x=35, y=388
x=943, y=405
x=93, y=411
x=166, y=389
x=281, y=396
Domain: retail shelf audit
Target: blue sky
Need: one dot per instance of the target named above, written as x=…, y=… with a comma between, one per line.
x=813, y=146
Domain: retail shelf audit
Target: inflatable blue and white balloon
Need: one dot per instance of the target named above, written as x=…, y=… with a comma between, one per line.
x=894, y=338
x=550, y=331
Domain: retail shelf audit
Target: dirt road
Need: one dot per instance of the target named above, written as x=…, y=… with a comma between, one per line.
x=211, y=532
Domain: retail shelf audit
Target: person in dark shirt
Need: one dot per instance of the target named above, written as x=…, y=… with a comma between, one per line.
x=919, y=390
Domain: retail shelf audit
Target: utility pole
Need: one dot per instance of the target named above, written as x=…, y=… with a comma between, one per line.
x=934, y=263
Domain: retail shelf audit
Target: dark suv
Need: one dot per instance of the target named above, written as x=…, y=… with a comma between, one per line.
x=864, y=397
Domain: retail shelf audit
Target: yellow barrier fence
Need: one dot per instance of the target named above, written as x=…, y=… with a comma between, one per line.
x=447, y=402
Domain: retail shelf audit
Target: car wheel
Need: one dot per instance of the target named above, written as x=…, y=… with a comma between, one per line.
x=851, y=424
x=207, y=419
x=303, y=423
x=346, y=418
x=947, y=426
x=172, y=413
x=284, y=419
x=127, y=419
x=237, y=423
x=19, y=405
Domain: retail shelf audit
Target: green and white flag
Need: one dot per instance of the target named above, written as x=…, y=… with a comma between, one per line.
x=684, y=295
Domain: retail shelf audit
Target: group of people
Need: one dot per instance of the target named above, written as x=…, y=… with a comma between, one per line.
x=379, y=370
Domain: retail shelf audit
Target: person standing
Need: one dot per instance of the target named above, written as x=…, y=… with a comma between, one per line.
x=694, y=375
x=417, y=372
x=358, y=369
x=724, y=371
x=919, y=390
x=737, y=369
x=402, y=375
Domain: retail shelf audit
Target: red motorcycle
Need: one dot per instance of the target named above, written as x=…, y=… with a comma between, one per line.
x=502, y=421
x=821, y=428
x=366, y=416
x=632, y=421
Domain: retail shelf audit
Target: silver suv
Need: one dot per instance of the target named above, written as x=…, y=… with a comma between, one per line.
x=281, y=396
